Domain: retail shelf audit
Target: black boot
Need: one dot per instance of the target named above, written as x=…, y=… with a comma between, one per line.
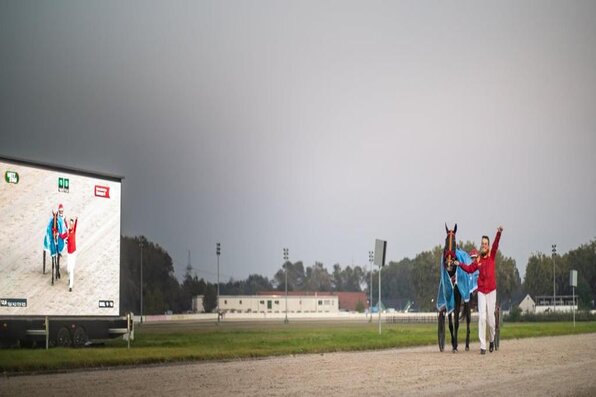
x=491, y=347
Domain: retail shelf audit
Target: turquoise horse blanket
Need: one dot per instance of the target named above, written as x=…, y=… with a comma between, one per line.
x=465, y=282
x=51, y=246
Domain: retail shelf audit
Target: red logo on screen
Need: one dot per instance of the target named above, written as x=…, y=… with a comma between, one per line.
x=102, y=191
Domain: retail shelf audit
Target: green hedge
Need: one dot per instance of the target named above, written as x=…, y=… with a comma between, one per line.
x=515, y=315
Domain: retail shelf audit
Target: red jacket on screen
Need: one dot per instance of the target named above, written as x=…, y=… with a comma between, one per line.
x=71, y=242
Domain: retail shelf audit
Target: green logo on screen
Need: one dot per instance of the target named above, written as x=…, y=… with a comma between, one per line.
x=63, y=185
x=11, y=177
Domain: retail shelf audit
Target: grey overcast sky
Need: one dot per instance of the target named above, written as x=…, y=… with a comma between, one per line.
x=314, y=125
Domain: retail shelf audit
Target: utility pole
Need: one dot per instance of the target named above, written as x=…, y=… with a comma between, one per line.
x=218, y=252
x=379, y=302
x=554, y=284
x=141, y=245
x=371, y=258
x=286, y=258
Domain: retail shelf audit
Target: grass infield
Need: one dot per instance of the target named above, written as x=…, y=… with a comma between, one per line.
x=162, y=343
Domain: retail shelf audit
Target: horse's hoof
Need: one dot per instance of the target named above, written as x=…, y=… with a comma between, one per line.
x=454, y=350
x=467, y=348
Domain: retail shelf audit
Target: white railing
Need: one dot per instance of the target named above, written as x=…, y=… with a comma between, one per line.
x=428, y=317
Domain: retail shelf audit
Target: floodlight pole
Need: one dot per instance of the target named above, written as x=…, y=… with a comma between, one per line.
x=218, y=252
x=370, y=260
x=554, y=246
x=141, y=245
x=286, y=258
x=379, y=302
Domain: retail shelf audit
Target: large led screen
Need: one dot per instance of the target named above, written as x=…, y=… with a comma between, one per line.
x=66, y=220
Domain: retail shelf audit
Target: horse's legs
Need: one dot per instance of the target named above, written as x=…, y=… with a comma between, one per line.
x=451, y=315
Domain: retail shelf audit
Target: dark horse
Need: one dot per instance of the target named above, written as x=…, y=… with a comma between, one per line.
x=449, y=258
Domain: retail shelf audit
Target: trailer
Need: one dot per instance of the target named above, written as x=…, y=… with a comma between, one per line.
x=54, y=331
x=59, y=255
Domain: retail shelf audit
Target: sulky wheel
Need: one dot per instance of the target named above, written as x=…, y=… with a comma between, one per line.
x=497, y=327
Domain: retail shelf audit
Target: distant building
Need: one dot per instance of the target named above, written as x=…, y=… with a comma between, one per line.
x=348, y=301
x=527, y=305
x=276, y=303
x=352, y=301
x=544, y=304
x=563, y=303
x=298, y=302
x=197, y=304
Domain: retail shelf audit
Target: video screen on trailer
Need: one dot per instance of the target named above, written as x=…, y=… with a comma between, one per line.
x=59, y=242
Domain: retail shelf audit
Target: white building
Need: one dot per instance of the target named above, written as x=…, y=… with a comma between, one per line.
x=197, y=304
x=562, y=303
x=273, y=304
x=527, y=305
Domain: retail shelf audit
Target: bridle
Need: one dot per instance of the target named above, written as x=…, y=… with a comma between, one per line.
x=450, y=246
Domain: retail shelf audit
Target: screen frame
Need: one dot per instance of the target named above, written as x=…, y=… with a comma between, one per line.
x=84, y=173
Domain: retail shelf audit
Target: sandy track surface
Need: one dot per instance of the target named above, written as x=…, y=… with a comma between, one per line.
x=563, y=365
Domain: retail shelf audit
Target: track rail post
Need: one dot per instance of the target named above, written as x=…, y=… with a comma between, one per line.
x=47, y=333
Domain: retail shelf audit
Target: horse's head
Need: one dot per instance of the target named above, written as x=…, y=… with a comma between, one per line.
x=450, y=247
x=55, y=225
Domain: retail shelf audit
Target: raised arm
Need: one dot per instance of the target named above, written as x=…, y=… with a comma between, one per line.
x=495, y=247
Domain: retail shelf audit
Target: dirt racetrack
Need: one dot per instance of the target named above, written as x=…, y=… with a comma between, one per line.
x=553, y=366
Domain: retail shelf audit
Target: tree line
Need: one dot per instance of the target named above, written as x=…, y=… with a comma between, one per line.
x=412, y=281
x=542, y=269
x=162, y=292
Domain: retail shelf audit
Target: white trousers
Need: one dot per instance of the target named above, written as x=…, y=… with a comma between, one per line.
x=70, y=268
x=486, y=314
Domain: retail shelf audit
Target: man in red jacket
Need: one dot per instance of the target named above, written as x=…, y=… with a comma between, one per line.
x=487, y=288
x=72, y=251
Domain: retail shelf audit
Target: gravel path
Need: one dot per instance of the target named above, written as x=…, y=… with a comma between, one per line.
x=562, y=365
